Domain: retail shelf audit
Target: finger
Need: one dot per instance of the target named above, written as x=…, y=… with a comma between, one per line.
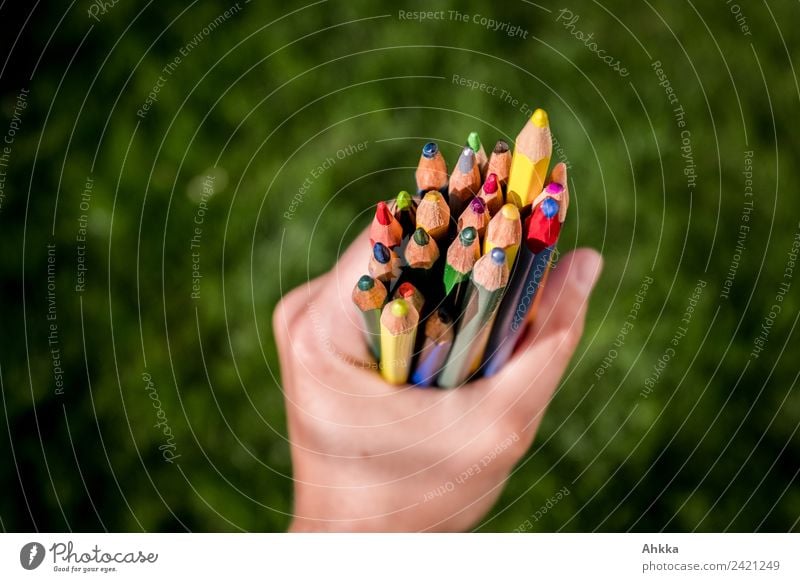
x=528, y=379
x=340, y=318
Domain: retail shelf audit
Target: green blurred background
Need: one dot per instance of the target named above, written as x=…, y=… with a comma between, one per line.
x=266, y=94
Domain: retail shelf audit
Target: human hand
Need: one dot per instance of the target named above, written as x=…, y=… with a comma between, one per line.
x=370, y=456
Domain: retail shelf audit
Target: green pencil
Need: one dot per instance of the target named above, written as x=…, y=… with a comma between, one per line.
x=488, y=281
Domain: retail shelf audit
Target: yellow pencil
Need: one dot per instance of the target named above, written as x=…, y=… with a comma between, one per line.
x=532, y=152
x=505, y=232
x=398, y=332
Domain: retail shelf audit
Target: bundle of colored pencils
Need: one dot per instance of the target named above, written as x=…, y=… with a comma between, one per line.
x=456, y=269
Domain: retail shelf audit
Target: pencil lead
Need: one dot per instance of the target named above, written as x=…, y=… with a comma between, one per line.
x=540, y=119
x=381, y=253
x=429, y=149
x=403, y=200
x=382, y=214
x=421, y=237
x=474, y=141
x=490, y=185
x=365, y=283
x=399, y=308
x=498, y=256
x=467, y=160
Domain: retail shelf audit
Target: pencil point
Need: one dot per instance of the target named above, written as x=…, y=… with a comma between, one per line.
x=468, y=236
x=539, y=118
x=403, y=200
x=500, y=147
x=554, y=188
x=421, y=237
x=510, y=211
x=474, y=141
x=381, y=253
x=498, y=255
x=477, y=205
x=549, y=207
x=382, y=214
x=467, y=160
x=399, y=308
x=365, y=283
x=490, y=186
x=429, y=149
x=405, y=290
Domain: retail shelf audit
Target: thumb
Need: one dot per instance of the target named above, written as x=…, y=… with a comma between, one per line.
x=529, y=378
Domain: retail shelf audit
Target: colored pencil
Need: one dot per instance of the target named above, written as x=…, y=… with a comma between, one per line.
x=474, y=141
x=488, y=280
x=491, y=194
x=505, y=232
x=422, y=251
x=500, y=163
x=532, y=152
x=465, y=182
x=433, y=214
x=529, y=278
x=369, y=296
x=385, y=228
x=404, y=209
x=476, y=216
x=438, y=341
x=432, y=170
x=384, y=264
x=399, y=322
x=411, y=294
x=558, y=177
x=462, y=255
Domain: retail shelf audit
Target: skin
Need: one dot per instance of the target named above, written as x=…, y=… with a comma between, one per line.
x=369, y=456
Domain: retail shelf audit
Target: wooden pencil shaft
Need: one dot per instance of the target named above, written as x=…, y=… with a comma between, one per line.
x=399, y=322
x=523, y=291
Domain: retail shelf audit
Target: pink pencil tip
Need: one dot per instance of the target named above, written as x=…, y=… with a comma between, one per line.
x=490, y=186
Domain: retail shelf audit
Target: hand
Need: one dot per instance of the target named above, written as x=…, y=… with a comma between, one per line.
x=369, y=456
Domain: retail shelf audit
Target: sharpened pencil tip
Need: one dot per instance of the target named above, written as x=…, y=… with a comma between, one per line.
x=405, y=290
x=490, y=186
x=421, y=237
x=468, y=236
x=477, y=205
x=474, y=141
x=510, y=211
x=382, y=214
x=403, y=200
x=540, y=119
x=429, y=149
x=399, y=308
x=498, y=255
x=381, y=253
x=365, y=283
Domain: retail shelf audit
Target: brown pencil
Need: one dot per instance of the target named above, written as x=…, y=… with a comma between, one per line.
x=505, y=232
x=500, y=163
x=384, y=264
x=465, y=182
x=433, y=214
x=385, y=228
x=476, y=216
x=369, y=296
x=432, y=169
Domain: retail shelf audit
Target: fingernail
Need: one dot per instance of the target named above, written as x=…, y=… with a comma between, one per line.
x=588, y=272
